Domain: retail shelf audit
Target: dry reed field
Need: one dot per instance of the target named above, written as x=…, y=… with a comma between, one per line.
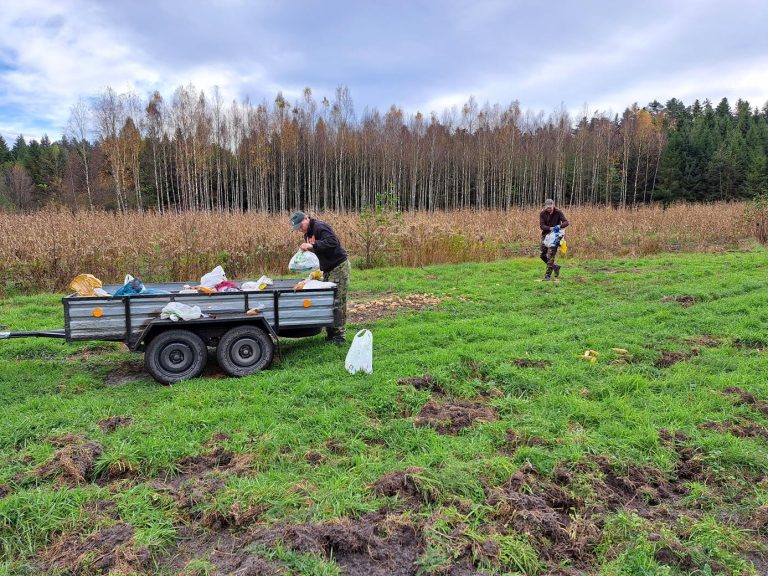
x=43, y=251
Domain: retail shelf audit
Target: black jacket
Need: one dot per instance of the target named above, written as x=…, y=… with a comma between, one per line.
x=325, y=244
x=548, y=221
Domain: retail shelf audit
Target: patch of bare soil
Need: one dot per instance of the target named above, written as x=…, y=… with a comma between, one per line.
x=72, y=463
x=453, y=416
x=669, y=358
x=686, y=300
x=216, y=457
x=363, y=311
x=528, y=363
x=401, y=483
x=125, y=373
x=748, y=399
x=750, y=344
x=376, y=544
x=314, y=457
x=425, y=382
x=705, y=341
x=110, y=550
x=4, y=490
x=114, y=422
x=741, y=427
x=562, y=525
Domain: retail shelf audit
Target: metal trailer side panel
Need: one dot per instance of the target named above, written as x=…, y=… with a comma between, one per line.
x=306, y=308
x=81, y=324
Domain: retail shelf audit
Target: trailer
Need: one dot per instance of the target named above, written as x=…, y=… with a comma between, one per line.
x=178, y=350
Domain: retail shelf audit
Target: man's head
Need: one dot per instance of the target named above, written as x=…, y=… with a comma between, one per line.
x=300, y=221
x=549, y=205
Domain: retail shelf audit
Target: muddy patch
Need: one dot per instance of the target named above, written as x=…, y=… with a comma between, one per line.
x=529, y=363
x=110, y=550
x=114, y=422
x=402, y=484
x=741, y=428
x=125, y=373
x=425, y=382
x=5, y=490
x=705, y=341
x=363, y=311
x=314, y=457
x=669, y=358
x=747, y=399
x=72, y=463
x=216, y=457
x=375, y=544
x=686, y=300
x=450, y=417
x=750, y=344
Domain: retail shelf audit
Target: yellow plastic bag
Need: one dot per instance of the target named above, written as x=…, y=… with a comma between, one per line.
x=85, y=284
x=563, y=246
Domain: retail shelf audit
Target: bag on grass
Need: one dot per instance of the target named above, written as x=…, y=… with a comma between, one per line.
x=303, y=261
x=360, y=355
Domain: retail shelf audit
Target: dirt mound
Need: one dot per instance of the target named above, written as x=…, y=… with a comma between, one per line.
x=376, y=544
x=4, y=490
x=216, y=457
x=72, y=463
x=686, y=301
x=669, y=358
x=114, y=422
x=111, y=550
x=452, y=417
x=361, y=312
x=373, y=545
x=401, y=483
x=748, y=399
x=751, y=344
x=314, y=457
x=528, y=363
x=741, y=427
x=426, y=382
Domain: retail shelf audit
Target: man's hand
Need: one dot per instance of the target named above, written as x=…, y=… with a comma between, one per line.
x=305, y=246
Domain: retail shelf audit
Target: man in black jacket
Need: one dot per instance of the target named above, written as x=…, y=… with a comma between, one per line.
x=551, y=219
x=320, y=238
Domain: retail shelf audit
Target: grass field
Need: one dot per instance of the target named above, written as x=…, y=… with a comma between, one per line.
x=485, y=442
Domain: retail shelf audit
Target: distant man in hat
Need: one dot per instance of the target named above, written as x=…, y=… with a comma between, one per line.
x=320, y=238
x=551, y=219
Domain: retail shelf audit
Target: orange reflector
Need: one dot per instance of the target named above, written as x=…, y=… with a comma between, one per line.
x=307, y=303
x=98, y=312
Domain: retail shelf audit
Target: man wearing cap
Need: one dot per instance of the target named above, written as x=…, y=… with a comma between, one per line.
x=320, y=238
x=551, y=219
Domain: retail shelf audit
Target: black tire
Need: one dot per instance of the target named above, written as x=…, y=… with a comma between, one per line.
x=175, y=355
x=244, y=350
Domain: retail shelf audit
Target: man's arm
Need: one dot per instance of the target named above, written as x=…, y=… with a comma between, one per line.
x=563, y=221
x=325, y=240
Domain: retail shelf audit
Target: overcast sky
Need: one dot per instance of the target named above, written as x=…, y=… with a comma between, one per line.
x=421, y=55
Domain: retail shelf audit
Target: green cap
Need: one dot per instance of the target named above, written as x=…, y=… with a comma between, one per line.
x=296, y=219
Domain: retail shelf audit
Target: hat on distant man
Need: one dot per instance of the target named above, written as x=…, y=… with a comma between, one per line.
x=296, y=219
x=548, y=203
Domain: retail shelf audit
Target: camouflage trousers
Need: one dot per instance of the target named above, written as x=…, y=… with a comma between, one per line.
x=339, y=275
x=548, y=256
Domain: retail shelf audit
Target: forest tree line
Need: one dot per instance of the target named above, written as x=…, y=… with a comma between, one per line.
x=195, y=152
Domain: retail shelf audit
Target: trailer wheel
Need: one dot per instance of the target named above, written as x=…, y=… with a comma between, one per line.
x=175, y=355
x=244, y=350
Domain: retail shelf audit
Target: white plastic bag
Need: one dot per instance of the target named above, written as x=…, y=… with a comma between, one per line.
x=317, y=284
x=552, y=239
x=304, y=261
x=177, y=311
x=213, y=277
x=260, y=284
x=360, y=355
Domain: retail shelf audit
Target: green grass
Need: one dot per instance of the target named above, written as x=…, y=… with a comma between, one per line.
x=492, y=314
